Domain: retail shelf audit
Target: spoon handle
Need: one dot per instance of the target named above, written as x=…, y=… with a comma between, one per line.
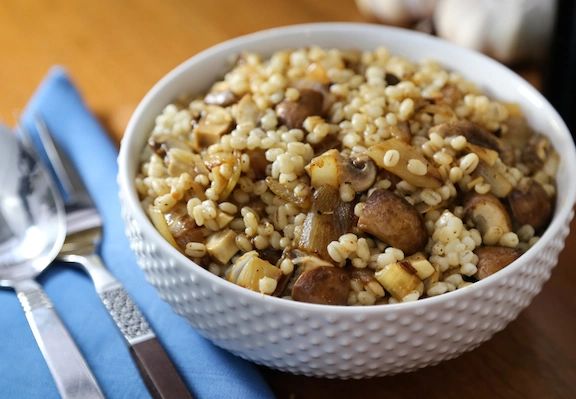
x=73, y=378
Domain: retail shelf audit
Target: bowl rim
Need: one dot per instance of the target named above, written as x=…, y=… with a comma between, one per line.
x=130, y=197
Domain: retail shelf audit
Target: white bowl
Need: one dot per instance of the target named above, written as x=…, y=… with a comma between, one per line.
x=333, y=341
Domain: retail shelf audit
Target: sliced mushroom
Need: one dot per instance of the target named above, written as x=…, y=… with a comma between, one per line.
x=493, y=259
x=536, y=152
x=182, y=227
x=332, y=168
x=394, y=221
x=499, y=185
x=431, y=179
x=293, y=113
x=489, y=216
x=160, y=144
x=323, y=89
x=328, y=219
x=207, y=133
x=518, y=131
x=222, y=98
x=484, y=154
x=530, y=204
x=360, y=172
x=324, y=285
x=477, y=136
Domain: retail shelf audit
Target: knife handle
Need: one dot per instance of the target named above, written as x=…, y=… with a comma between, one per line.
x=157, y=370
x=73, y=378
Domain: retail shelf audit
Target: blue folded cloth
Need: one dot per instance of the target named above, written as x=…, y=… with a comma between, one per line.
x=209, y=371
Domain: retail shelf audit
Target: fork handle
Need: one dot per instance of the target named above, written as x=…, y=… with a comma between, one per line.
x=157, y=370
x=72, y=376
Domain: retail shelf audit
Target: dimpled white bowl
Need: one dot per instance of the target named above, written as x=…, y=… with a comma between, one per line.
x=334, y=341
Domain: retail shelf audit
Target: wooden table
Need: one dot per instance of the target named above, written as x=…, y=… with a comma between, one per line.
x=116, y=50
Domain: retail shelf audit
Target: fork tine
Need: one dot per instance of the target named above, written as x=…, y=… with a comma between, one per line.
x=74, y=189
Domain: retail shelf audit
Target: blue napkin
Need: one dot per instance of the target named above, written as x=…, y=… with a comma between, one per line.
x=209, y=371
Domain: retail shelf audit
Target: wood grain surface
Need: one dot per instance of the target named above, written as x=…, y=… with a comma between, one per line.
x=116, y=50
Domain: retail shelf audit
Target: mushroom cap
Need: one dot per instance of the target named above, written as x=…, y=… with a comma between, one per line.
x=493, y=259
x=324, y=284
x=531, y=205
x=394, y=221
x=489, y=216
x=360, y=171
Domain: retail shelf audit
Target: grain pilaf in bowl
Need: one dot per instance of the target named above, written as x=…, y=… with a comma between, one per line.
x=300, y=171
x=347, y=177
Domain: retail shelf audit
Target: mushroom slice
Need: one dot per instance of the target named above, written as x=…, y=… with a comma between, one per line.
x=394, y=221
x=332, y=168
x=293, y=113
x=211, y=127
x=536, y=152
x=327, y=285
x=530, y=204
x=323, y=89
x=484, y=154
x=329, y=142
x=489, y=216
x=161, y=144
x=499, y=185
x=493, y=259
x=182, y=227
x=431, y=179
x=477, y=136
x=360, y=172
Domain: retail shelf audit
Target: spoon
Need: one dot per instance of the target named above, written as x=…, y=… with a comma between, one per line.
x=32, y=231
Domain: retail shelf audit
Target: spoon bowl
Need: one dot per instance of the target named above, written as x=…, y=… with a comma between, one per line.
x=32, y=231
x=32, y=222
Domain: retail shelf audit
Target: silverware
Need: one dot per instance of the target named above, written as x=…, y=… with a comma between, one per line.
x=32, y=231
x=84, y=231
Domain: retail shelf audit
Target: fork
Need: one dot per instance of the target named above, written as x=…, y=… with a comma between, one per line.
x=84, y=232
